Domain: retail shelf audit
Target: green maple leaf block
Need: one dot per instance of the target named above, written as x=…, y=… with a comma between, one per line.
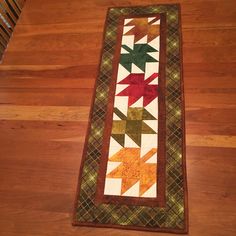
x=138, y=56
x=133, y=125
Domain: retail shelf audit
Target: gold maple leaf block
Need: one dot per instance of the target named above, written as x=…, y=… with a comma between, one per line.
x=134, y=168
x=142, y=28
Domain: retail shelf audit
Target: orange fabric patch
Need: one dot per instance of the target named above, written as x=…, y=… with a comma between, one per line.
x=134, y=168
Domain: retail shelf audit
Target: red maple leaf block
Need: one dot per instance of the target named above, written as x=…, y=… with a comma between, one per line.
x=139, y=87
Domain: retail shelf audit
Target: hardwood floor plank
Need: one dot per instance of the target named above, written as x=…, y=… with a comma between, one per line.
x=46, y=97
x=210, y=100
x=39, y=82
x=44, y=113
x=73, y=57
x=218, y=115
x=211, y=128
x=57, y=41
x=211, y=140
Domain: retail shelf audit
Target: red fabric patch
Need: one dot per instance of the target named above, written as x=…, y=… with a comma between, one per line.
x=138, y=87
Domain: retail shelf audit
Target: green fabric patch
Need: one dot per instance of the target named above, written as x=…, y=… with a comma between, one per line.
x=132, y=125
x=118, y=127
x=138, y=56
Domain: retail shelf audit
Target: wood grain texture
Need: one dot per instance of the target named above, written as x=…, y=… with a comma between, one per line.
x=46, y=84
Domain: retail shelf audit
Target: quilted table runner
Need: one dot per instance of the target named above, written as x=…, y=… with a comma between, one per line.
x=132, y=174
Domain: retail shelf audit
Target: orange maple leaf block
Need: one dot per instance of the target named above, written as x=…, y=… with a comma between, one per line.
x=143, y=27
x=134, y=168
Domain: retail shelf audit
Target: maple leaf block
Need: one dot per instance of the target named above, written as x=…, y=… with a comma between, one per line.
x=139, y=87
x=139, y=56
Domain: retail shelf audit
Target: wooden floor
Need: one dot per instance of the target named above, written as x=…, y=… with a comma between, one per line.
x=46, y=83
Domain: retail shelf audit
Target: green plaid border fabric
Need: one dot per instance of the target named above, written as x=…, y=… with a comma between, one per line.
x=172, y=217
